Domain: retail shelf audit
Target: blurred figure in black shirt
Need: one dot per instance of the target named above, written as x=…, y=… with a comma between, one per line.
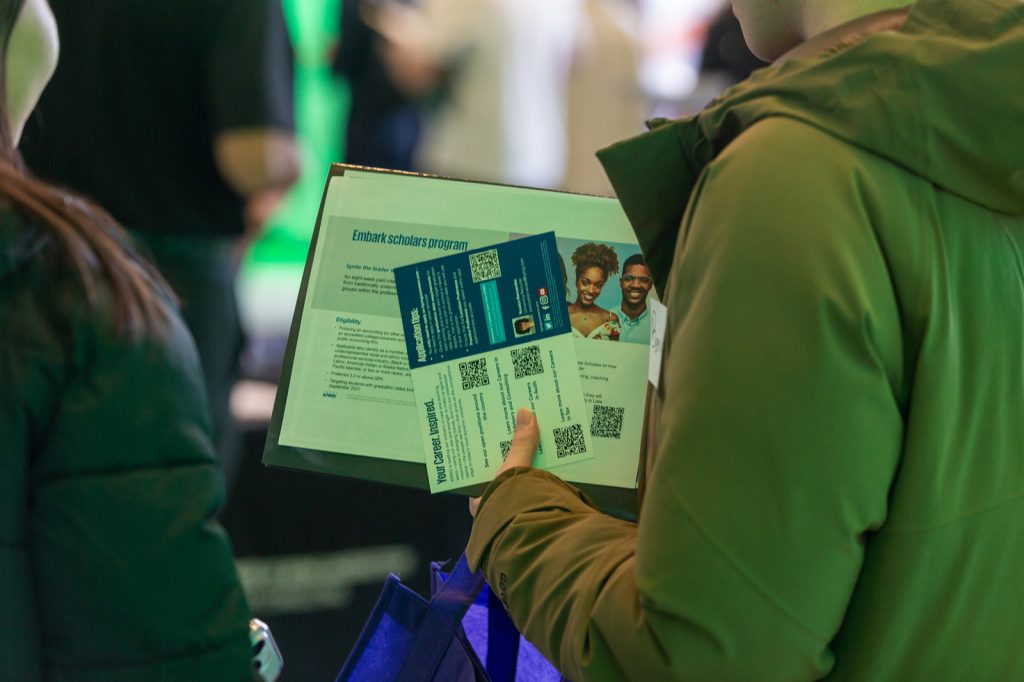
x=178, y=118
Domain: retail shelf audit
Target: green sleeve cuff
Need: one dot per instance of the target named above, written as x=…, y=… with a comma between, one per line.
x=513, y=492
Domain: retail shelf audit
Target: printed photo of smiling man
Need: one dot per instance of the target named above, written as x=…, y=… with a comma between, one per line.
x=634, y=316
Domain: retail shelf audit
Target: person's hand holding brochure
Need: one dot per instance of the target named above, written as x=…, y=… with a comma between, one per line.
x=346, y=403
x=524, y=446
x=484, y=334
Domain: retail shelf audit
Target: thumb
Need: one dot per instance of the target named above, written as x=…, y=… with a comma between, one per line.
x=524, y=441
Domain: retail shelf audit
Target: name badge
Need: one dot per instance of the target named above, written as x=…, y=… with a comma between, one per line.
x=659, y=319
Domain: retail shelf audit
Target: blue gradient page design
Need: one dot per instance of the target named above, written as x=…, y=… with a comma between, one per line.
x=480, y=300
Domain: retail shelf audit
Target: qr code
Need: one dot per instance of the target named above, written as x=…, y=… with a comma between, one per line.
x=505, y=446
x=474, y=373
x=484, y=265
x=569, y=441
x=526, y=362
x=607, y=421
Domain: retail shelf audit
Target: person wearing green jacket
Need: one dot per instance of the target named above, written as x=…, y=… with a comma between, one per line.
x=112, y=566
x=834, y=480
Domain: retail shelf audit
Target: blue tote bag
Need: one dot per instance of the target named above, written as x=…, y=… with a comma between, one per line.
x=462, y=634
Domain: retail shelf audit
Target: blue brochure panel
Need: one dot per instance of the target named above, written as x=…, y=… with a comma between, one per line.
x=481, y=300
x=484, y=337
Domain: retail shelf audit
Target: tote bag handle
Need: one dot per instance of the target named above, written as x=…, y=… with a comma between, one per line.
x=442, y=620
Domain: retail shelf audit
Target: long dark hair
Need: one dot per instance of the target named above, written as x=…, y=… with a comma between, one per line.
x=88, y=236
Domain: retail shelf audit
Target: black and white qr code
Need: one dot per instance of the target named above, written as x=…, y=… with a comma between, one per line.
x=607, y=421
x=505, y=446
x=484, y=265
x=569, y=441
x=474, y=373
x=526, y=362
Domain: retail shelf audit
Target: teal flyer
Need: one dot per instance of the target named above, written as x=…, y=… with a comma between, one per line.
x=485, y=335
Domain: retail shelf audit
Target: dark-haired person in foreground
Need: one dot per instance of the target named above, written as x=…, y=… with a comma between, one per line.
x=111, y=565
x=834, y=479
x=177, y=118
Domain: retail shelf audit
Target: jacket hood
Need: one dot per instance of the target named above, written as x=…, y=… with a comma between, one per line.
x=942, y=96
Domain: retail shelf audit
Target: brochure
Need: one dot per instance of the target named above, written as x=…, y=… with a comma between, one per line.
x=484, y=336
x=346, y=403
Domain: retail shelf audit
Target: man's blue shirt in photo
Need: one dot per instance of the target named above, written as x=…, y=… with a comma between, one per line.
x=634, y=331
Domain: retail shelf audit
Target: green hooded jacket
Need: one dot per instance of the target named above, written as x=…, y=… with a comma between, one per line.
x=835, y=479
x=112, y=567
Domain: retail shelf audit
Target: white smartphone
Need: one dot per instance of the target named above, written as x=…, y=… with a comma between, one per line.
x=266, y=657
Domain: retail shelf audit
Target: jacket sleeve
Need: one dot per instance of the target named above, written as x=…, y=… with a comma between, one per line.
x=134, y=578
x=779, y=434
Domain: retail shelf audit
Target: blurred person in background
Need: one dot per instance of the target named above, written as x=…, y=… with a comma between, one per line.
x=832, y=484
x=178, y=118
x=726, y=54
x=383, y=126
x=112, y=565
x=496, y=72
x=605, y=101
x=673, y=35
